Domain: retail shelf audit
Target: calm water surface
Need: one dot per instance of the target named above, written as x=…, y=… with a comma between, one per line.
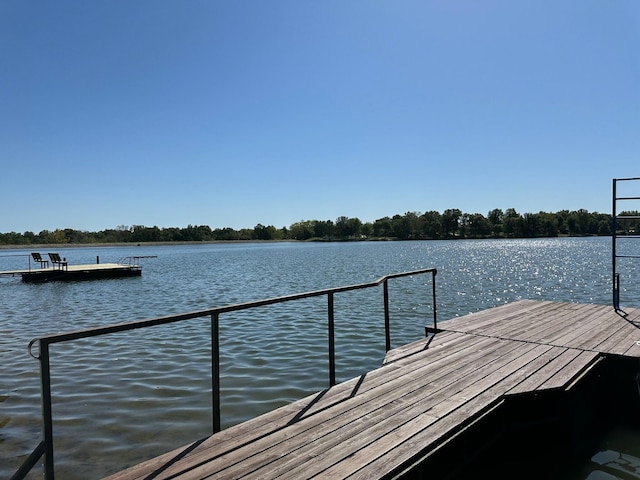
x=127, y=397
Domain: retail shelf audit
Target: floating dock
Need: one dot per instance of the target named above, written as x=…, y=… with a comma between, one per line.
x=82, y=272
x=516, y=391
x=129, y=267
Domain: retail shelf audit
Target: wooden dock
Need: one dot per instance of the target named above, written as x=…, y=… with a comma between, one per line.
x=479, y=396
x=75, y=272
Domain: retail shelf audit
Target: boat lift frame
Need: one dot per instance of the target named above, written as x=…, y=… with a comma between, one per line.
x=617, y=219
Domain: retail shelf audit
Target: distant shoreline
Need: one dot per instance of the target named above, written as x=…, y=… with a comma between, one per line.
x=55, y=246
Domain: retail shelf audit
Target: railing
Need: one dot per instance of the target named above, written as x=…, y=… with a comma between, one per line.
x=13, y=272
x=46, y=446
x=134, y=261
x=620, y=220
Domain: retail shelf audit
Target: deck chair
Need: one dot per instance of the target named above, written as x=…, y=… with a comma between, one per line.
x=57, y=261
x=38, y=258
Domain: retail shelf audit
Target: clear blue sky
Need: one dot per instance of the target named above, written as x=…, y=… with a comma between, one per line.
x=230, y=113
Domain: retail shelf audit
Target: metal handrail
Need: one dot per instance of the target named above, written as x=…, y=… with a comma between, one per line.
x=30, y=462
x=28, y=255
x=134, y=260
x=46, y=446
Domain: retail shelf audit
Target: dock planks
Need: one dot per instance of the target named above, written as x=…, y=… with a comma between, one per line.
x=425, y=392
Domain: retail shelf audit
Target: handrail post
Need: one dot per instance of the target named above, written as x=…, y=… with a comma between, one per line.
x=614, y=228
x=47, y=415
x=215, y=370
x=433, y=284
x=387, y=322
x=332, y=346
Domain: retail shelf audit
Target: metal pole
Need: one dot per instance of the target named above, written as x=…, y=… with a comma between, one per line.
x=433, y=283
x=332, y=345
x=614, y=227
x=387, y=323
x=47, y=416
x=215, y=370
x=29, y=463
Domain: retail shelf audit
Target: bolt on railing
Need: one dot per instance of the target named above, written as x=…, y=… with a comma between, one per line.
x=46, y=446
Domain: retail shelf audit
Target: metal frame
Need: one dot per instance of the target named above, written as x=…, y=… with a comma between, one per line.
x=614, y=238
x=46, y=446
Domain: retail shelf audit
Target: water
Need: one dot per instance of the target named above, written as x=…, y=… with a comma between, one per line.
x=127, y=397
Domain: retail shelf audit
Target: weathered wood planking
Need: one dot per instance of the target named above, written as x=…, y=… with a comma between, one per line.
x=376, y=423
x=582, y=326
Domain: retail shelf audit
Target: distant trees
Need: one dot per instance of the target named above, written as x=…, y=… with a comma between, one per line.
x=304, y=230
x=382, y=228
x=260, y=232
x=496, y=219
x=347, y=228
x=452, y=223
x=431, y=224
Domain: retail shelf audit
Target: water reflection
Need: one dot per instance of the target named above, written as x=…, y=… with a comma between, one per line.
x=616, y=458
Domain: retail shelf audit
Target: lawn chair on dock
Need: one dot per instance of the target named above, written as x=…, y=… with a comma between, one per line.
x=60, y=262
x=38, y=258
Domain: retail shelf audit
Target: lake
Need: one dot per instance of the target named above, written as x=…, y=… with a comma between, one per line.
x=123, y=398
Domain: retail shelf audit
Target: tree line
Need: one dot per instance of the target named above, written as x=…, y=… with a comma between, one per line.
x=430, y=225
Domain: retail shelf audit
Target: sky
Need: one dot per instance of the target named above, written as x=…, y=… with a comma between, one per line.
x=233, y=113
